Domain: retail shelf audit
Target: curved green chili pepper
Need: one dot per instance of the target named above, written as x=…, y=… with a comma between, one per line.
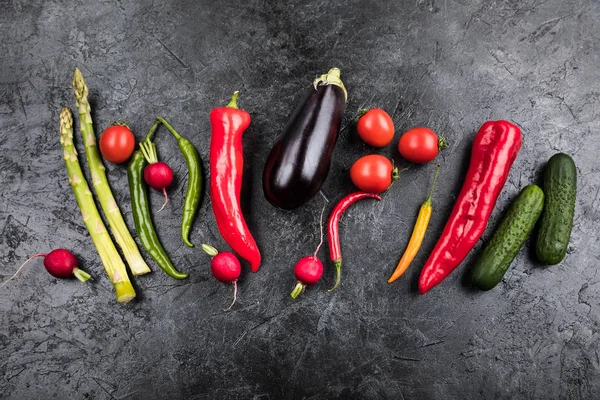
x=194, y=188
x=141, y=212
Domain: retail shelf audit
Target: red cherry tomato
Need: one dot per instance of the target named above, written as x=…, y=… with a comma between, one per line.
x=419, y=145
x=373, y=173
x=117, y=143
x=376, y=128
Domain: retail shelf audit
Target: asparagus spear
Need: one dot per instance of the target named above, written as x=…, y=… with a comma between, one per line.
x=136, y=263
x=114, y=266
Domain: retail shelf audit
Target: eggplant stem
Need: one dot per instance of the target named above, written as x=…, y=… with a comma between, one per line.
x=21, y=267
x=332, y=77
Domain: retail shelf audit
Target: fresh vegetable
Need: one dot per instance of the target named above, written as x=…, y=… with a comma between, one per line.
x=418, y=233
x=495, y=148
x=225, y=267
x=373, y=173
x=117, y=143
x=420, y=145
x=335, y=250
x=193, y=193
x=137, y=265
x=515, y=227
x=300, y=159
x=114, y=266
x=308, y=271
x=59, y=263
x=226, y=168
x=141, y=211
x=375, y=127
x=157, y=174
x=560, y=187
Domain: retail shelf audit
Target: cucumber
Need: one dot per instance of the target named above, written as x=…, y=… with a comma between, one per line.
x=560, y=186
x=515, y=227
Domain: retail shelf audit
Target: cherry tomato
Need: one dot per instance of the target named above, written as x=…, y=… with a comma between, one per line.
x=419, y=145
x=376, y=128
x=117, y=143
x=373, y=173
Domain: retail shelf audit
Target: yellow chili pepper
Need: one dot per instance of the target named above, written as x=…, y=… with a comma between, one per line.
x=418, y=234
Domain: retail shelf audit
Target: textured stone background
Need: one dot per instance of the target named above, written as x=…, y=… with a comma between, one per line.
x=449, y=65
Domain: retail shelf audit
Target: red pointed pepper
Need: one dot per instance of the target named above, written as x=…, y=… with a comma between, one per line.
x=335, y=248
x=226, y=167
x=495, y=148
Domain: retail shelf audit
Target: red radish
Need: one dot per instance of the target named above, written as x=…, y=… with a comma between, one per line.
x=157, y=174
x=308, y=270
x=225, y=267
x=59, y=263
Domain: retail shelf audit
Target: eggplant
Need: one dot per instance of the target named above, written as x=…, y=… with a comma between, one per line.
x=301, y=157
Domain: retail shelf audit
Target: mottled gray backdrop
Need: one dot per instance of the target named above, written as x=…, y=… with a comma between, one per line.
x=446, y=64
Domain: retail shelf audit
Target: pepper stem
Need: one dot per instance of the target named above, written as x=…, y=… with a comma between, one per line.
x=169, y=127
x=298, y=290
x=81, y=275
x=234, y=296
x=208, y=249
x=233, y=102
x=338, y=269
x=437, y=170
x=152, y=130
x=332, y=77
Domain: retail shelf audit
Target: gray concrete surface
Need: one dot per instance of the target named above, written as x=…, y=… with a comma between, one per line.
x=449, y=65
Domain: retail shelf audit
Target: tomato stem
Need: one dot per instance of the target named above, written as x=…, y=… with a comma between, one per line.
x=442, y=143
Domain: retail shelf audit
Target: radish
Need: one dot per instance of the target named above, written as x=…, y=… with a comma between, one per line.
x=308, y=270
x=59, y=263
x=225, y=267
x=157, y=174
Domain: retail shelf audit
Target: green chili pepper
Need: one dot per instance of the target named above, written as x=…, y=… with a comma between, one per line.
x=194, y=188
x=141, y=212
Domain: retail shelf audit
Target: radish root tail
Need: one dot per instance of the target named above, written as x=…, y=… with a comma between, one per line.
x=21, y=267
x=234, y=296
x=166, y=199
x=321, y=225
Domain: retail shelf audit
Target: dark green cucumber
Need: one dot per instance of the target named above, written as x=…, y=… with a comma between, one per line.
x=515, y=227
x=560, y=187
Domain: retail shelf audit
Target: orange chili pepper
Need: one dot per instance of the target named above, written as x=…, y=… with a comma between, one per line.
x=418, y=234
